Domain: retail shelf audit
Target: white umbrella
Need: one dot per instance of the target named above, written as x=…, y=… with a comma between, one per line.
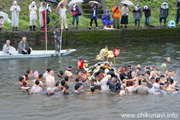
x=64, y=2
x=75, y=1
x=5, y=15
x=92, y=3
x=127, y=2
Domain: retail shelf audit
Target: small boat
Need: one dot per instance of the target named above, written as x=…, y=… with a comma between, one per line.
x=36, y=54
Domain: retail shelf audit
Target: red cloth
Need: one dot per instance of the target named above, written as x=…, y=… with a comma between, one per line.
x=44, y=22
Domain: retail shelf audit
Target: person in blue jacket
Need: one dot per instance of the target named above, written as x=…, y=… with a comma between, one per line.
x=106, y=19
x=94, y=12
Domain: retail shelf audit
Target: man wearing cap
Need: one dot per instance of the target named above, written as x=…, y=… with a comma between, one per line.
x=24, y=47
x=57, y=39
x=6, y=47
x=102, y=81
x=62, y=12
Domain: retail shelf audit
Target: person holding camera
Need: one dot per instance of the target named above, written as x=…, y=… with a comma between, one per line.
x=33, y=15
x=15, y=15
x=164, y=9
x=137, y=14
x=94, y=12
x=147, y=12
x=116, y=14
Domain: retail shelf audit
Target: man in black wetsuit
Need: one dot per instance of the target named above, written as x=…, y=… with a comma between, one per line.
x=125, y=74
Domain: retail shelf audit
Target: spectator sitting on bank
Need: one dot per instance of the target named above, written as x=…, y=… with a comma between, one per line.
x=116, y=14
x=178, y=12
x=124, y=18
x=106, y=19
x=147, y=12
x=94, y=12
x=24, y=47
x=6, y=48
x=137, y=14
x=1, y=23
x=164, y=13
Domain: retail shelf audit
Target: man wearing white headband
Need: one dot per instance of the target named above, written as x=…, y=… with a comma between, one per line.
x=15, y=15
x=33, y=15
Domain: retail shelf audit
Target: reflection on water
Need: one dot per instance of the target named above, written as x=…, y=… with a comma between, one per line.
x=15, y=104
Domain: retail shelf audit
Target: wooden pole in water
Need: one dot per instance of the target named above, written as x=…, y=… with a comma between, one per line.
x=61, y=37
x=46, y=30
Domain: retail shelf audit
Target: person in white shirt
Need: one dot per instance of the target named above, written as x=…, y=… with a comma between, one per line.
x=62, y=12
x=33, y=15
x=36, y=89
x=103, y=82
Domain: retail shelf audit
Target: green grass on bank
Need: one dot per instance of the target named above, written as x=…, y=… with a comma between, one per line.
x=24, y=13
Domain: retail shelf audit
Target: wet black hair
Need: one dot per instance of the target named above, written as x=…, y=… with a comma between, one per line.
x=162, y=76
x=66, y=78
x=40, y=76
x=48, y=69
x=152, y=78
x=63, y=82
x=157, y=80
x=131, y=83
x=93, y=88
x=161, y=84
x=61, y=72
x=171, y=81
x=57, y=84
x=1, y=17
x=148, y=72
x=127, y=69
x=26, y=75
x=28, y=71
x=76, y=80
x=148, y=68
x=76, y=87
x=167, y=83
x=24, y=83
x=37, y=82
x=21, y=78
x=66, y=86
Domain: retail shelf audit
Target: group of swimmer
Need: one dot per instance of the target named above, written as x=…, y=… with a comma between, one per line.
x=147, y=80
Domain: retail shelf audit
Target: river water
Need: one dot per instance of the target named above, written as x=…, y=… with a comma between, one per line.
x=17, y=105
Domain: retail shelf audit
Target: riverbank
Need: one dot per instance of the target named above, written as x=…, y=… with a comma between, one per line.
x=101, y=36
